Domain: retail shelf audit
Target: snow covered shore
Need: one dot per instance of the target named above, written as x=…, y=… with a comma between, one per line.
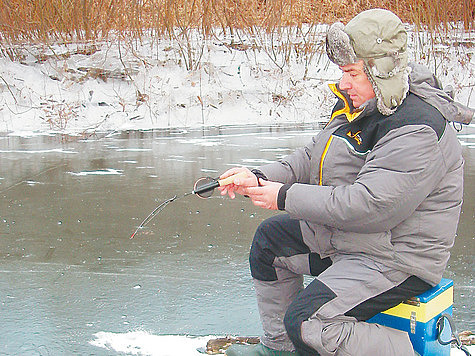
x=83, y=88
x=143, y=343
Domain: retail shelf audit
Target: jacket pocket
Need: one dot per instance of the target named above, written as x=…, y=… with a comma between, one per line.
x=373, y=244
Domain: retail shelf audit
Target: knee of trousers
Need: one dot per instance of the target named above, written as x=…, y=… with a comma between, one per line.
x=261, y=257
x=308, y=336
x=304, y=306
x=293, y=321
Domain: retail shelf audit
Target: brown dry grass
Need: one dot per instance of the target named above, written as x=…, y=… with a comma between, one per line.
x=41, y=21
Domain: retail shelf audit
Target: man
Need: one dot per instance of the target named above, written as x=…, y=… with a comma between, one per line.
x=372, y=204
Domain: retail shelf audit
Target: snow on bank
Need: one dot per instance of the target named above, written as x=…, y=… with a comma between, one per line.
x=84, y=88
x=143, y=343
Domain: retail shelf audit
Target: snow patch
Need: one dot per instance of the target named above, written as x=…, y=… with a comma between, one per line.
x=144, y=343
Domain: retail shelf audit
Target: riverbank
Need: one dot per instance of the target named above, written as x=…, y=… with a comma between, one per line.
x=144, y=343
x=84, y=88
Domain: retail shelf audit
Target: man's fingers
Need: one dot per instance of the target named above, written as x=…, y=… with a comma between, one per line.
x=260, y=203
x=229, y=190
x=233, y=171
x=247, y=181
x=255, y=191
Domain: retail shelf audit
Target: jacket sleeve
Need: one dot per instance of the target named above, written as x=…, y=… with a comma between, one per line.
x=399, y=173
x=292, y=168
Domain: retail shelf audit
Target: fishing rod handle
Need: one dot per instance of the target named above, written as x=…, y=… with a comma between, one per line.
x=230, y=179
x=206, y=187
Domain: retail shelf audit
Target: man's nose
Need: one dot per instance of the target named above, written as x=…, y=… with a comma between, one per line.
x=344, y=82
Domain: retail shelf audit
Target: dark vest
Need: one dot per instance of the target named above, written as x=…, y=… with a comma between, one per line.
x=364, y=132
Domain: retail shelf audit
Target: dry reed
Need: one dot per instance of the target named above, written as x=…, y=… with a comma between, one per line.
x=263, y=24
x=42, y=21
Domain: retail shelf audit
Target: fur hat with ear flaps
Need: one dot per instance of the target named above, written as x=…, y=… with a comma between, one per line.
x=378, y=38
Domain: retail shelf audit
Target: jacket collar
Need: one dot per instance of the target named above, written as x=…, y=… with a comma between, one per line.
x=351, y=113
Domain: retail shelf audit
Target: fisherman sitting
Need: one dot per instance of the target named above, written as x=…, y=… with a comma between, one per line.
x=371, y=203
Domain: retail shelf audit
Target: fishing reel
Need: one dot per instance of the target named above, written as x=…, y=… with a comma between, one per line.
x=204, y=187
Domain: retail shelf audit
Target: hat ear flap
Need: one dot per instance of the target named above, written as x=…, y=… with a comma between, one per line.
x=338, y=45
x=385, y=89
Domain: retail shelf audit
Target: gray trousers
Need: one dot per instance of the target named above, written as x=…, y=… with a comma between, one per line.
x=328, y=316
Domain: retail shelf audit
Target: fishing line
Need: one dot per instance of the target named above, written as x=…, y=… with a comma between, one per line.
x=203, y=188
x=154, y=212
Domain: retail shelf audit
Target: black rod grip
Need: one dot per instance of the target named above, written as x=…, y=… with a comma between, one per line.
x=206, y=187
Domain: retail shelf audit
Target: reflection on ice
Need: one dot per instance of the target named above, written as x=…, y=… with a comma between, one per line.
x=133, y=149
x=32, y=183
x=467, y=140
x=108, y=171
x=256, y=160
x=202, y=142
x=54, y=150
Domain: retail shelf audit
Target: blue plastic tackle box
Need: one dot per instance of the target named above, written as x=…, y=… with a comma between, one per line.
x=418, y=317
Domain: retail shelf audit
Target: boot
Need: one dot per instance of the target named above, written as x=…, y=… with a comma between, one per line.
x=256, y=350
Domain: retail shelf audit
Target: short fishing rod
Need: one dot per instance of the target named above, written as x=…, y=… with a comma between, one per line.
x=204, y=188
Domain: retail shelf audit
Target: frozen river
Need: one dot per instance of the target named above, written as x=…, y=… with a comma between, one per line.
x=68, y=206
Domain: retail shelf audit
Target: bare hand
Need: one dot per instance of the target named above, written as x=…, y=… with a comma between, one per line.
x=239, y=185
x=265, y=195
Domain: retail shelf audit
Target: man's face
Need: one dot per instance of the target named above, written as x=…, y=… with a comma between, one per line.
x=356, y=83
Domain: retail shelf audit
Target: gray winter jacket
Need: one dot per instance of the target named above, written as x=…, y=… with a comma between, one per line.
x=389, y=187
